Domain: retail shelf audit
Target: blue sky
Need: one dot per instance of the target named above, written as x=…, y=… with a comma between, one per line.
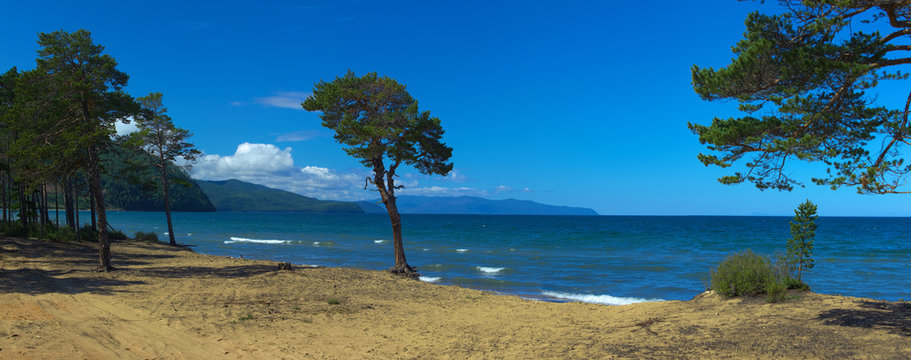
x=575, y=103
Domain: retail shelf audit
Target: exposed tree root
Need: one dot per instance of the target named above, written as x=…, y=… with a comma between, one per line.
x=405, y=270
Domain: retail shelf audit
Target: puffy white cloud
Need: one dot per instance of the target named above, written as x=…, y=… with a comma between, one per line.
x=287, y=100
x=124, y=128
x=248, y=160
x=268, y=165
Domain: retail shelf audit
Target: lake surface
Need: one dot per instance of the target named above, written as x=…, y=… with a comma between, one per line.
x=601, y=259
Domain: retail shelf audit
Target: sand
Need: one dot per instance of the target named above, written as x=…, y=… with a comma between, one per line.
x=171, y=303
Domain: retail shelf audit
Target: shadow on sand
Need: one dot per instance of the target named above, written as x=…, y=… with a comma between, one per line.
x=894, y=317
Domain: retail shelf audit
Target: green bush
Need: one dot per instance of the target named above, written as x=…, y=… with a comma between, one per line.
x=776, y=291
x=14, y=229
x=61, y=233
x=117, y=235
x=147, y=237
x=743, y=273
x=87, y=234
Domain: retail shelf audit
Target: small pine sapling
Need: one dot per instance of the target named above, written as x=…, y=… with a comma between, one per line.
x=800, y=245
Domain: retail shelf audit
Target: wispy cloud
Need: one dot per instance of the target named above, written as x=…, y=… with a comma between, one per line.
x=286, y=100
x=302, y=135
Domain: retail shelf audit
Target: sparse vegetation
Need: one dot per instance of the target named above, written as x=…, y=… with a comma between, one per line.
x=147, y=237
x=333, y=302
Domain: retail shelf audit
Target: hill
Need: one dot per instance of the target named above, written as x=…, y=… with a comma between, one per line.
x=128, y=185
x=236, y=195
x=474, y=205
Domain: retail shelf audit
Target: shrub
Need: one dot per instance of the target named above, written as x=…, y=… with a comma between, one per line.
x=743, y=273
x=14, y=229
x=147, y=237
x=117, y=235
x=776, y=291
x=61, y=233
x=87, y=234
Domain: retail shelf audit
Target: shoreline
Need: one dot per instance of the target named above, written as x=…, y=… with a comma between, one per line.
x=167, y=302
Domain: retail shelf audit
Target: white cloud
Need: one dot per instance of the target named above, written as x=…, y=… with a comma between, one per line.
x=502, y=188
x=443, y=191
x=303, y=135
x=286, y=100
x=124, y=128
x=455, y=176
x=268, y=165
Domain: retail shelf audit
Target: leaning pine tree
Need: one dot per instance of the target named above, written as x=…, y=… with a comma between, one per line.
x=379, y=123
x=800, y=245
x=165, y=143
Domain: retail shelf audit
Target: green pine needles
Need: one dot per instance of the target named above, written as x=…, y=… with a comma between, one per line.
x=800, y=245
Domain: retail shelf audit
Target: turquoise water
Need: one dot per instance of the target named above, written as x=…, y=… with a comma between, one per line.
x=603, y=259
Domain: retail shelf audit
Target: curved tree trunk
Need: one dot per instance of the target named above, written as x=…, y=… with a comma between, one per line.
x=387, y=192
x=401, y=265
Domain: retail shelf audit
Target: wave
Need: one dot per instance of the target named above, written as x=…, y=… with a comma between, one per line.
x=380, y=241
x=489, y=270
x=235, y=239
x=597, y=299
x=429, y=278
x=462, y=250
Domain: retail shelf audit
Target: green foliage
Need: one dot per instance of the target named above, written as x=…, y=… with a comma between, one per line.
x=743, y=273
x=376, y=119
x=802, y=79
x=333, y=302
x=800, y=245
x=150, y=237
x=235, y=195
x=747, y=273
x=776, y=291
x=13, y=229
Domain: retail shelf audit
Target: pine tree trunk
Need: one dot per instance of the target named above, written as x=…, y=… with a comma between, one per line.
x=401, y=265
x=68, y=203
x=3, y=195
x=167, y=205
x=104, y=244
x=92, y=202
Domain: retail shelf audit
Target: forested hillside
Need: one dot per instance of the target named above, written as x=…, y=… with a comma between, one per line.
x=235, y=195
x=130, y=184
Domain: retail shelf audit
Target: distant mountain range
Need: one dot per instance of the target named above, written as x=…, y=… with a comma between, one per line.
x=236, y=195
x=473, y=205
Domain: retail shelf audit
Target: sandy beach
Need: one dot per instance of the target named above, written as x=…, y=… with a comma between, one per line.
x=172, y=303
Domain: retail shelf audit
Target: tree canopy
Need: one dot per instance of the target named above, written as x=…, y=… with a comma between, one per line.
x=378, y=122
x=805, y=81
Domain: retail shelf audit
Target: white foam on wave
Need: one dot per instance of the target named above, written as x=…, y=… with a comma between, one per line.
x=597, y=299
x=380, y=241
x=235, y=239
x=489, y=270
x=316, y=243
x=462, y=250
x=429, y=278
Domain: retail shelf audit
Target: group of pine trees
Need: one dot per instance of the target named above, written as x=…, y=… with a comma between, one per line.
x=57, y=125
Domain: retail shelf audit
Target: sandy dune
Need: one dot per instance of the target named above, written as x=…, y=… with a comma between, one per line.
x=170, y=303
